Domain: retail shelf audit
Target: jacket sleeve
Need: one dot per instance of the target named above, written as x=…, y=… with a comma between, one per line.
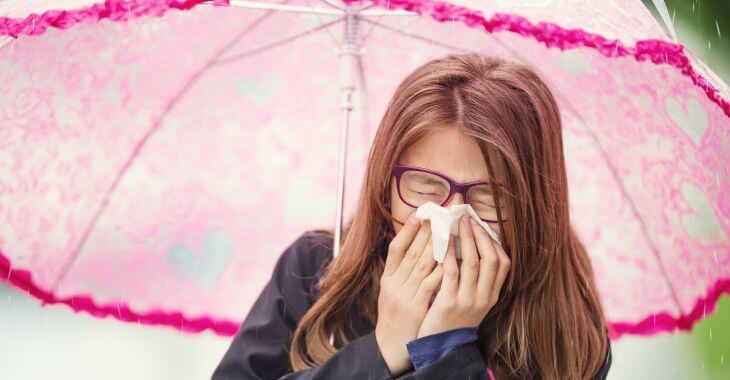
x=463, y=362
x=260, y=348
x=425, y=350
x=466, y=362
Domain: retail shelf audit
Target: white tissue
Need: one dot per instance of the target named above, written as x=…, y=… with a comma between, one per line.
x=445, y=222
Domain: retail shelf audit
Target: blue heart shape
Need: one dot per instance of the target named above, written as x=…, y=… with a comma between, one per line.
x=259, y=90
x=204, y=268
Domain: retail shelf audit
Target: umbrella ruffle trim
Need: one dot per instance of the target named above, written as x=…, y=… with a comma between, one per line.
x=552, y=35
x=22, y=279
x=664, y=321
x=116, y=10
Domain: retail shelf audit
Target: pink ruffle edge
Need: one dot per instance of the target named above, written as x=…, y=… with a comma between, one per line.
x=116, y=10
x=552, y=35
x=22, y=279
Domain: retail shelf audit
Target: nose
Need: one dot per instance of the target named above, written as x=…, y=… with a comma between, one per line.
x=455, y=199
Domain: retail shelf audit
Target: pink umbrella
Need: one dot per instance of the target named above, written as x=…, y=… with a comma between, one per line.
x=154, y=169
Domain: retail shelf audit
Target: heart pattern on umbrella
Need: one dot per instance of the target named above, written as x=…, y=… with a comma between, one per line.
x=702, y=224
x=691, y=118
x=204, y=267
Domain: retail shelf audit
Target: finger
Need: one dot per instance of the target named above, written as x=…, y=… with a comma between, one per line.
x=401, y=242
x=423, y=267
x=489, y=262
x=414, y=252
x=429, y=285
x=504, y=264
x=450, y=283
x=469, y=271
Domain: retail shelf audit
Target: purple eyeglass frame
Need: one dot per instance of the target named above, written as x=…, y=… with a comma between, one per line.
x=454, y=187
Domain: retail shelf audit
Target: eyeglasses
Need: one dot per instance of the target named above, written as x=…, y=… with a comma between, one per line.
x=417, y=186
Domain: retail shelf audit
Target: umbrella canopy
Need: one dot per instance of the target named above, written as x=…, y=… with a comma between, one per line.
x=154, y=168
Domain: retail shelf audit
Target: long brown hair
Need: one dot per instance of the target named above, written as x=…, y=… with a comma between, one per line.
x=548, y=322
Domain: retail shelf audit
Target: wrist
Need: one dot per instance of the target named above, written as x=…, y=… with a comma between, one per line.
x=397, y=361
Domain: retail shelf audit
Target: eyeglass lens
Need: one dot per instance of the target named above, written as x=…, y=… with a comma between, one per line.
x=417, y=188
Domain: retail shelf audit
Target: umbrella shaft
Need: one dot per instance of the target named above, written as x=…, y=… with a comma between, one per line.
x=349, y=55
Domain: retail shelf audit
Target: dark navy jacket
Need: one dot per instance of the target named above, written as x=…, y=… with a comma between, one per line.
x=259, y=351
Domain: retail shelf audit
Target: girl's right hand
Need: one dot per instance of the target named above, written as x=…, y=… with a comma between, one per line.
x=407, y=285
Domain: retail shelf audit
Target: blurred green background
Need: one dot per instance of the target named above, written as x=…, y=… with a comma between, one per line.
x=703, y=26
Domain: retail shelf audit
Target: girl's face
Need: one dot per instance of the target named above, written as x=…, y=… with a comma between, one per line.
x=446, y=152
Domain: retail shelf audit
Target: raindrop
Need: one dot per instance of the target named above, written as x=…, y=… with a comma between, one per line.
x=718, y=29
x=699, y=11
x=709, y=45
x=710, y=334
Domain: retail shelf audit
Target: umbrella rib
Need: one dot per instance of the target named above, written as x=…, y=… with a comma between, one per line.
x=319, y=17
x=614, y=174
x=4, y=41
x=273, y=44
x=372, y=26
x=632, y=204
x=155, y=127
x=332, y=5
x=415, y=36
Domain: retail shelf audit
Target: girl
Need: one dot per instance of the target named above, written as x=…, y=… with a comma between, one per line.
x=460, y=129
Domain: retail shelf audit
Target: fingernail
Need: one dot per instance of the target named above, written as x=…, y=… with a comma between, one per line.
x=413, y=220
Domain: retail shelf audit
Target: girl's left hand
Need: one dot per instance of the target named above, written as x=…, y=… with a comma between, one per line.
x=467, y=294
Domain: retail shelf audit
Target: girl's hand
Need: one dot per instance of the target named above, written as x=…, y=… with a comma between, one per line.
x=406, y=286
x=467, y=294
